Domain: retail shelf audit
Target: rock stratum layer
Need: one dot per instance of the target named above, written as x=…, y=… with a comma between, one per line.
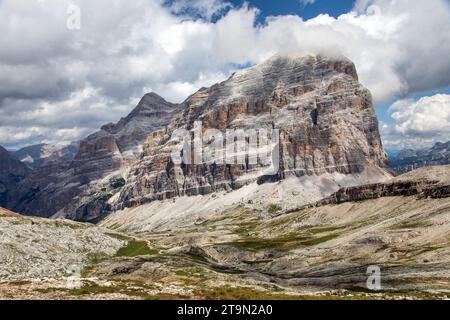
x=325, y=117
x=326, y=121
x=83, y=184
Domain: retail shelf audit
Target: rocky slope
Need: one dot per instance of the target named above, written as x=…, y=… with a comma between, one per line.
x=433, y=183
x=33, y=248
x=326, y=121
x=12, y=171
x=315, y=249
x=408, y=160
x=316, y=252
x=82, y=185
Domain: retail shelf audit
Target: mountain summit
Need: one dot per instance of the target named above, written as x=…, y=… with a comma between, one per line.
x=327, y=138
x=326, y=121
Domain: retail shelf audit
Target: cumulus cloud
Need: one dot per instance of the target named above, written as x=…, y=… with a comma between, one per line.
x=207, y=9
x=419, y=122
x=53, y=78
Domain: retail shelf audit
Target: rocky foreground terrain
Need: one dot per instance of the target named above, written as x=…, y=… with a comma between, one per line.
x=319, y=251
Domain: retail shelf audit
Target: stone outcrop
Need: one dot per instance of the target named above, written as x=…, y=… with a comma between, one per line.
x=434, y=184
x=325, y=117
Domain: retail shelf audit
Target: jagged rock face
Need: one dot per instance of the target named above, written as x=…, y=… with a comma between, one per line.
x=326, y=121
x=12, y=171
x=83, y=185
x=325, y=118
x=431, y=182
x=409, y=160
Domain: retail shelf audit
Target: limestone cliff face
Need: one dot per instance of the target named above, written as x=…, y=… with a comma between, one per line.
x=325, y=120
x=81, y=187
x=325, y=117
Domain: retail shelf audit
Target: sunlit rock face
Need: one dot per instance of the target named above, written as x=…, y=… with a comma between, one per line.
x=83, y=184
x=317, y=118
x=325, y=118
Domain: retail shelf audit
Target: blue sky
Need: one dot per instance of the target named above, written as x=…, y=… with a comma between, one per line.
x=296, y=7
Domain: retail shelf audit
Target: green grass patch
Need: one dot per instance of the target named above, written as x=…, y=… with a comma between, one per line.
x=316, y=241
x=135, y=249
x=246, y=228
x=409, y=225
x=196, y=257
x=243, y=293
x=285, y=243
x=274, y=208
x=324, y=229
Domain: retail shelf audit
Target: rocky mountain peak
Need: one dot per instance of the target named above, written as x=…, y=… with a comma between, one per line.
x=325, y=117
x=152, y=112
x=38, y=155
x=151, y=104
x=325, y=120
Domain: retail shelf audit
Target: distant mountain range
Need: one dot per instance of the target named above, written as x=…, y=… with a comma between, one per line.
x=409, y=160
x=38, y=155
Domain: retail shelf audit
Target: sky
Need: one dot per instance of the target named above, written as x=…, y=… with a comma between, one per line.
x=69, y=66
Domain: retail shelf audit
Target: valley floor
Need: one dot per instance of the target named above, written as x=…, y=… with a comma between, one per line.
x=318, y=252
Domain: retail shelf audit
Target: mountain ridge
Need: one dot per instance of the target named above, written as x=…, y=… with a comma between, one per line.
x=327, y=126
x=410, y=159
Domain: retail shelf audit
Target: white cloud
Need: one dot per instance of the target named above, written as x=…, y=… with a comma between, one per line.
x=207, y=9
x=419, y=123
x=399, y=47
x=307, y=2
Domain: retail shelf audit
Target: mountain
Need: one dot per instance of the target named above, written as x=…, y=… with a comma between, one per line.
x=313, y=221
x=12, y=171
x=408, y=160
x=39, y=155
x=79, y=184
x=317, y=120
x=326, y=121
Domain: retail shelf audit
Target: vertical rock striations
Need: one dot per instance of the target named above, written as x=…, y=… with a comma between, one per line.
x=81, y=187
x=325, y=117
